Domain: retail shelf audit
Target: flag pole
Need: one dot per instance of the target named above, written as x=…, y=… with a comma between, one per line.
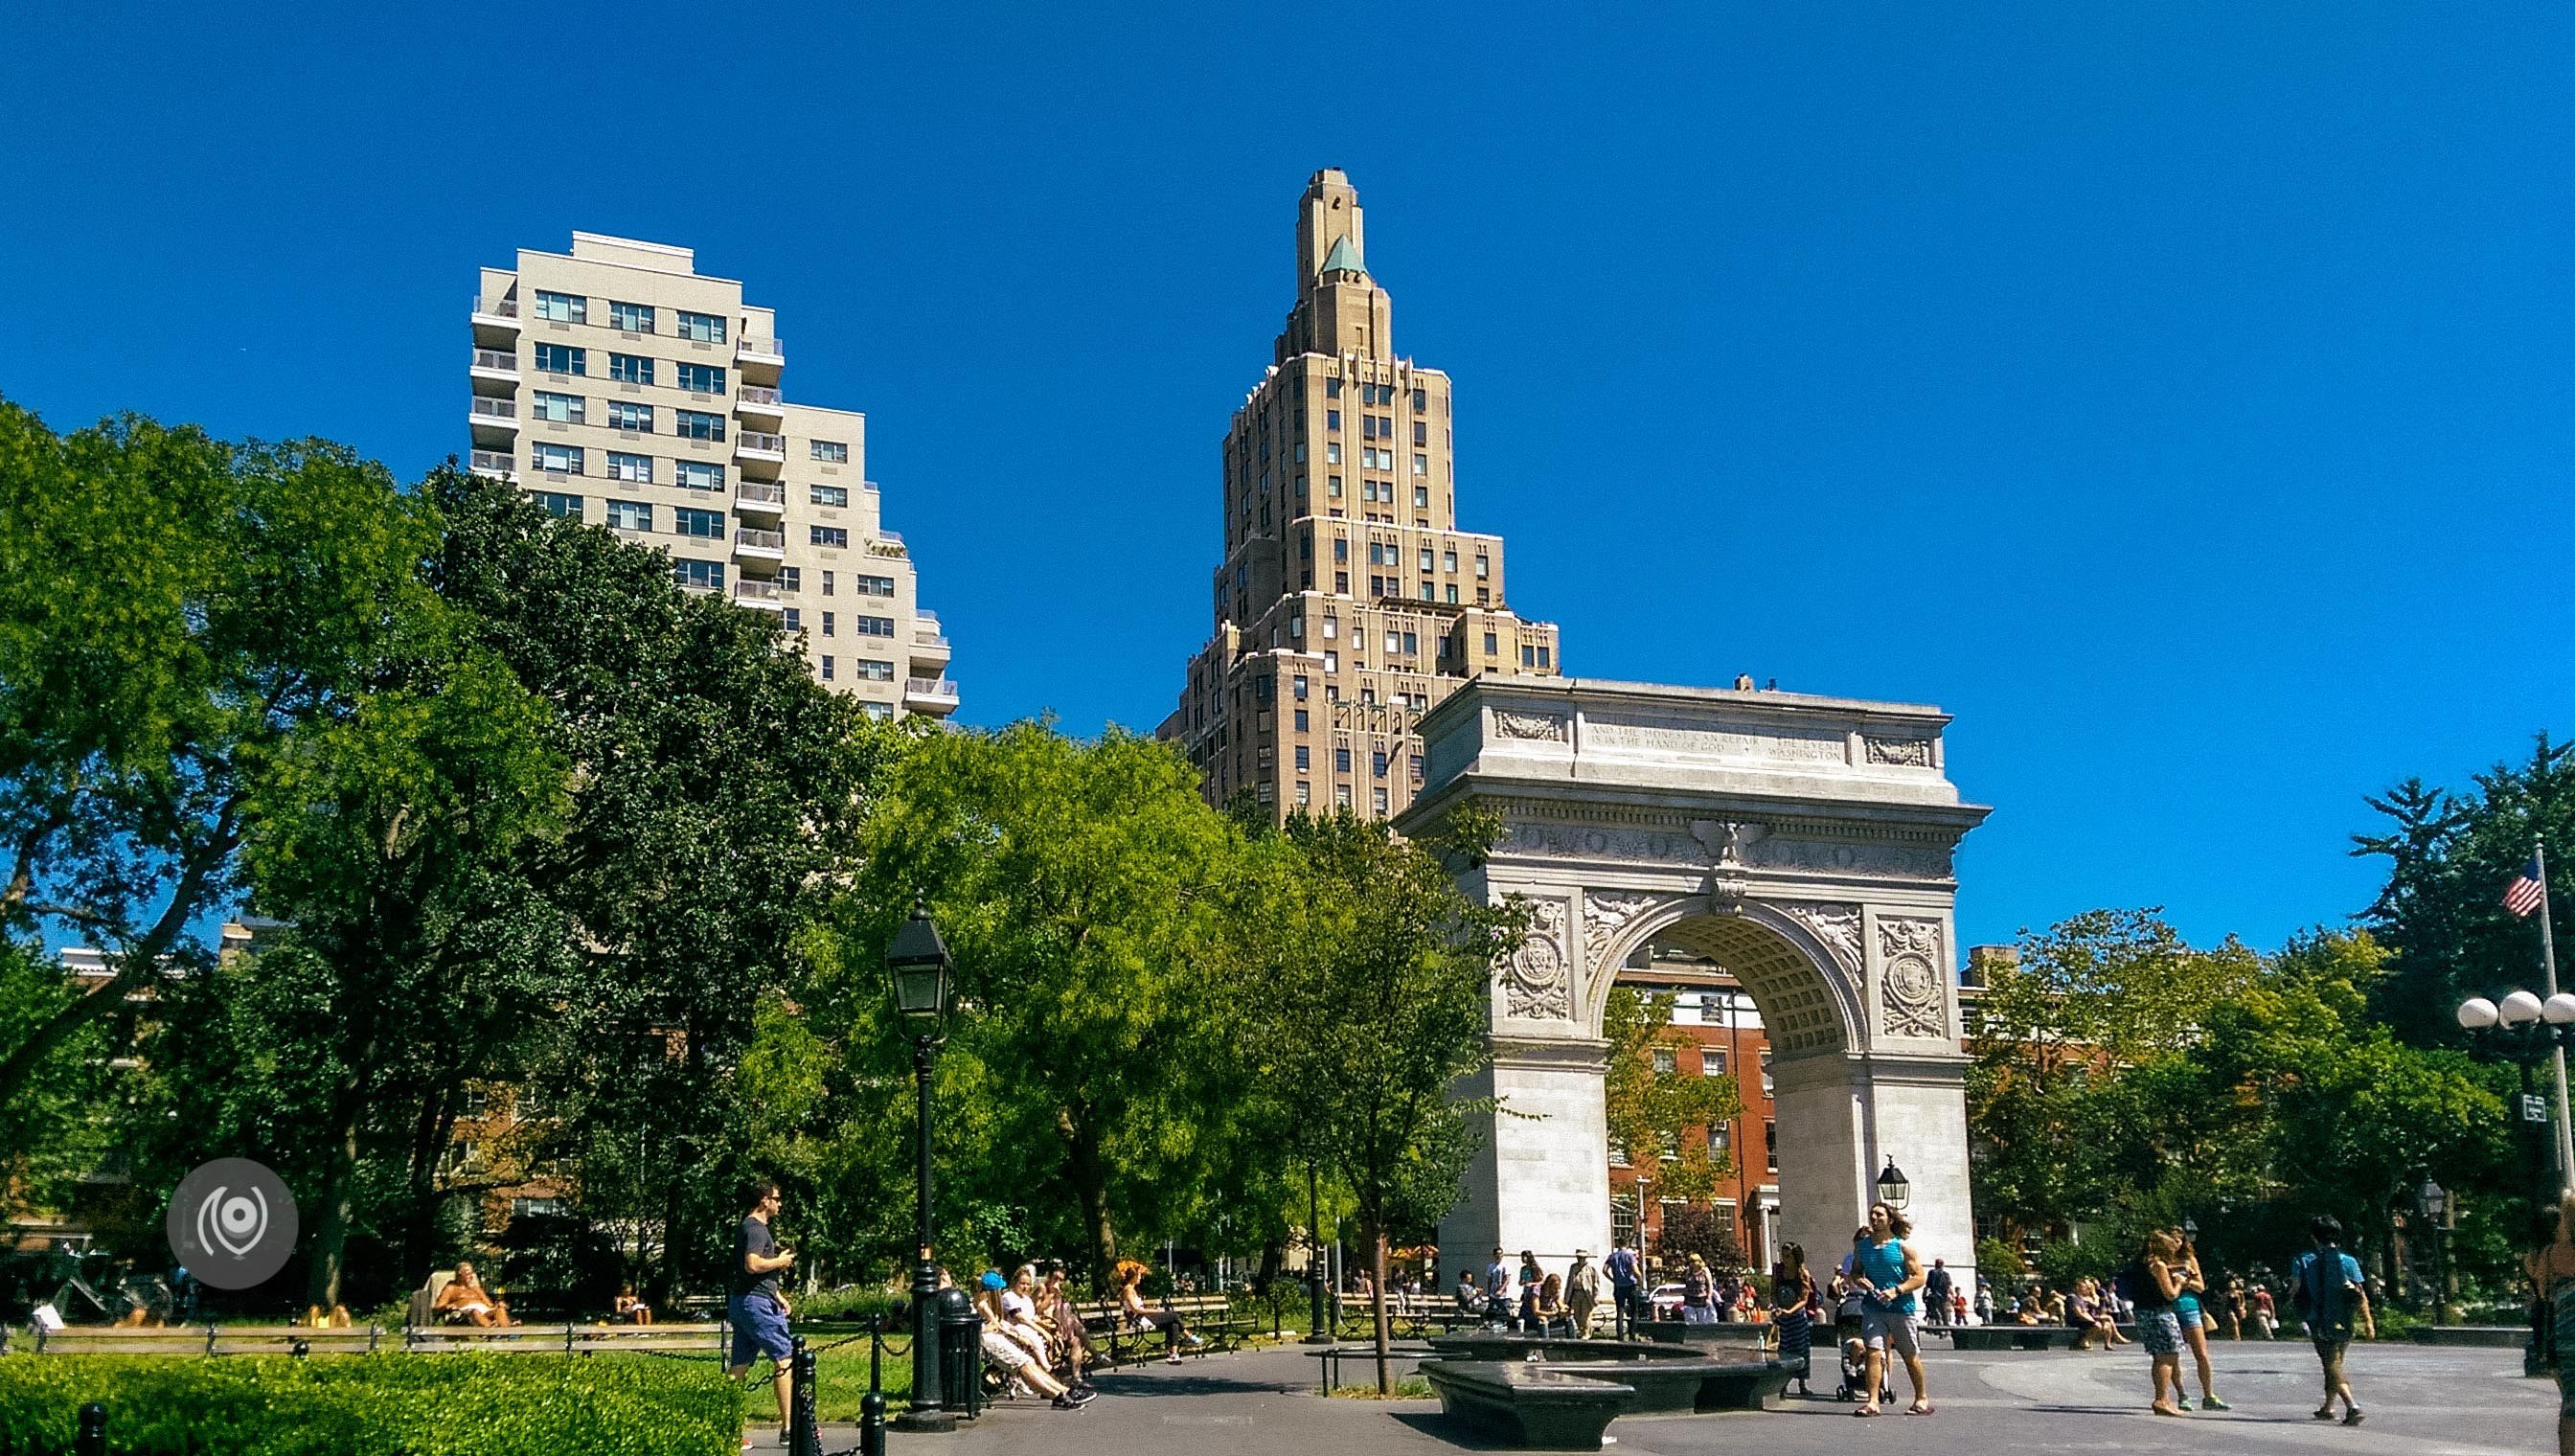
x=2548, y=969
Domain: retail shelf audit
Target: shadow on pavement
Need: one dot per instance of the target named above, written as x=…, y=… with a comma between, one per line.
x=1457, y=1433
x=1193, y=1382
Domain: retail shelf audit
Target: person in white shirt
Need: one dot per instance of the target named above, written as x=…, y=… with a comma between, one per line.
x=1501, y=1299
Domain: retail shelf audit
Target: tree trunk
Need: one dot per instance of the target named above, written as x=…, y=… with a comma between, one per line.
x=1377, y=1243
x=339, y=1196
x=1090, y=1178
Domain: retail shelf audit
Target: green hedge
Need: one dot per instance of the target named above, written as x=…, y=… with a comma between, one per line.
x=375, y=1405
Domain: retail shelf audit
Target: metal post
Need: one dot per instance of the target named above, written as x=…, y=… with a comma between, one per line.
x=2557, y=1048
x=802, y=1437
x=872, y=1406
x=93, y=1431
x=1316, y=1332
x=928, y=1412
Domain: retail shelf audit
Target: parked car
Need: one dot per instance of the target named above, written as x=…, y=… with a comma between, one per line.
x=1667, y=1301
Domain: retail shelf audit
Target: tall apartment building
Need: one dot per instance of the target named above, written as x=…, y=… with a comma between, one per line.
x=1349, y=602
x=620, y=387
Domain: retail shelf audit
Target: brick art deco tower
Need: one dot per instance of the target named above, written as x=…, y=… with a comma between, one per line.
x=1349, y=602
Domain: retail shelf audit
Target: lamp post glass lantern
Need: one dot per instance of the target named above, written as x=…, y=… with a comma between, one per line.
x=917, y=961
x=1893, y=1188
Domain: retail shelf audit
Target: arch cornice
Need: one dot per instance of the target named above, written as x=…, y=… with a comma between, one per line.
x=1838, y=967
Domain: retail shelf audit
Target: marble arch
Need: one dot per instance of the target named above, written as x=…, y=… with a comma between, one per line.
x=1805, y=843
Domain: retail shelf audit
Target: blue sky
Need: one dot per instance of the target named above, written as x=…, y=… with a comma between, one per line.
x=2179, y=395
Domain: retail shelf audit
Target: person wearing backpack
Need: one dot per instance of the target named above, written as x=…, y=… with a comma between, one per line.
x=2327, y=1290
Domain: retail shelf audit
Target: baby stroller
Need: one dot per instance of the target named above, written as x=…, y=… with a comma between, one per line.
x=1855, y=1354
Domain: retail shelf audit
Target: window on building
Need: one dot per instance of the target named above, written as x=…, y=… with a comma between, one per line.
x=827, y=583
x=1332, y=419
x=835, y=537
x=1342, y=582
x=1342, y=794
x=827, y=624
x=702, y=328
x=557, y=409
x=562, y=308
x=630, y=368
x=1341, y=760
x=1421, y=494
x=699, y=475
x=561, y=359
x=1304, y=791
x=871, y=626
x=1376, y=764
x=794, y=618
x=1416, y=768
x=1301, y=724
x=698, y=424
x=827, y=668
x=555, y=503
x=637, y=468
x=1711, y=1060
x=701, y=378
x=1667, y=1061
x=1304, y=757
x=630, y=516
x=1528, y=655
x=830, y=451
x=1542, y=655
x=1493, y=643
x=1770, y=1146
x=627, y=415
x=1331, y=389
x=564, y=459
x=867, y=585
x=829, y=495
x=874, y=669
x=1452, y=593
x=704, y=524
x=1378, y=800
x=630, y=317
x=1768, y=1088
x=791, y=579
x=703, y=576
x=1484, y=565
x=1332, y=452
x=1332, y=661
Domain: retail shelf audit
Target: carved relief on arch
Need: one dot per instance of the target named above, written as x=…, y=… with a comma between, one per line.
x=1912, y=997
x=1536, y=979
x=1835, y=927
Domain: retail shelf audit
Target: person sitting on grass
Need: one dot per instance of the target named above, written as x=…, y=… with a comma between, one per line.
x=466, y=1301
x=1001, y=1346
x=630, y=1310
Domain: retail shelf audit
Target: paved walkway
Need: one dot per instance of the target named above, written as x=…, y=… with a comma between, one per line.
x=2420, y=1402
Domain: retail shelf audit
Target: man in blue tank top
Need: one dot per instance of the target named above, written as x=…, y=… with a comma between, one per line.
x=1888, y=1274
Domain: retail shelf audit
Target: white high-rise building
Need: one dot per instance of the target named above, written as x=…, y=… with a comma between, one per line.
x=618, y=386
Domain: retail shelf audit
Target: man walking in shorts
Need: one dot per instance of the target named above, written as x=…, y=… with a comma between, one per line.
x=753, y=1302
x=1888, y=1275
x=2326, y=1287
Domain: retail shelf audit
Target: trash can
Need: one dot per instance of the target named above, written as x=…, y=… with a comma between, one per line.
x=961, y=1354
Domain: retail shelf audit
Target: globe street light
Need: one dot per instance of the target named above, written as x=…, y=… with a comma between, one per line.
x=917, y=961
x=2527, y=1029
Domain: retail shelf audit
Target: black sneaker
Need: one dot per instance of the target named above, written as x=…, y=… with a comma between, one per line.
x=1066, y=1402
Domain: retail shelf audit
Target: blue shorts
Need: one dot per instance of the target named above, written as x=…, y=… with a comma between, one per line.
x=759, y=1328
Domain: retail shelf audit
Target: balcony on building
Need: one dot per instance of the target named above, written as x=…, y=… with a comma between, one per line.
x=496, y=322
x=753, y=401
x=886, y=542
x=495, y=366
x=759, y=444
x=750, y=542
x=497, y=465
x=765, y=498
x=763, y=358
x=930, y=694
x=752, y=592
x=495, y=420
x=928, y=647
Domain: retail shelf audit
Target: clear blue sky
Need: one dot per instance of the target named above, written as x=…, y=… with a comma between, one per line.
x=2179, y=395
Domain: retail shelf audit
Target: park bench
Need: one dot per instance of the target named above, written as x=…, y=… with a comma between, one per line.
x=1544, y=1407
x=571, y=1339
x=1210, y=1316
x=209, y=1339
x=2018, y=1336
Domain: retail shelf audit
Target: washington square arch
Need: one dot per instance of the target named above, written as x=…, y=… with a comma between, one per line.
x=1804, y=844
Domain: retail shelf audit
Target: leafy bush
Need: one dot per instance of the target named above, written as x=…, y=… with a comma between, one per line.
x=374, y=1405
x=2001, y=1263
x=2063, y=1261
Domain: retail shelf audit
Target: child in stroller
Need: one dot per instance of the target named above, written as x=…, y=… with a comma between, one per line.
x=1846, y=1336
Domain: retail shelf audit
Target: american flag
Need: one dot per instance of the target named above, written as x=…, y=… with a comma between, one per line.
x=2525, y=892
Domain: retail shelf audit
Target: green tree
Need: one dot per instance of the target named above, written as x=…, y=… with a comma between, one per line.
x=1372, y=1011
x=175, y=613
x=1084, y=887
x=1652, y=1109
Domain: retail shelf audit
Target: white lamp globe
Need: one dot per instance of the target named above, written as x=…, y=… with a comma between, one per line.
x=2519, y=1009
x=2558, y=1010
x=2477, y=1013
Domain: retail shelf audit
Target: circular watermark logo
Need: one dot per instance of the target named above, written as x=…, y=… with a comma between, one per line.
x=232, y=1223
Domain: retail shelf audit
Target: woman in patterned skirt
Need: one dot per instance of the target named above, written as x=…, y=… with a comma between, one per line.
x=1792, y=1309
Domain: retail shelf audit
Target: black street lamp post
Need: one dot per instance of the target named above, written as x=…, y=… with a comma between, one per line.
x=2527, y=1030
x=919, y=960
x=2433, y=1202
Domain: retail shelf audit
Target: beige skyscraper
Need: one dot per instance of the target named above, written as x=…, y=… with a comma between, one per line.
x=1349, y=600
x=622, y=387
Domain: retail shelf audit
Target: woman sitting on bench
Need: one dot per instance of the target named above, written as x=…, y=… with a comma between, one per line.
x=1137, y=1319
